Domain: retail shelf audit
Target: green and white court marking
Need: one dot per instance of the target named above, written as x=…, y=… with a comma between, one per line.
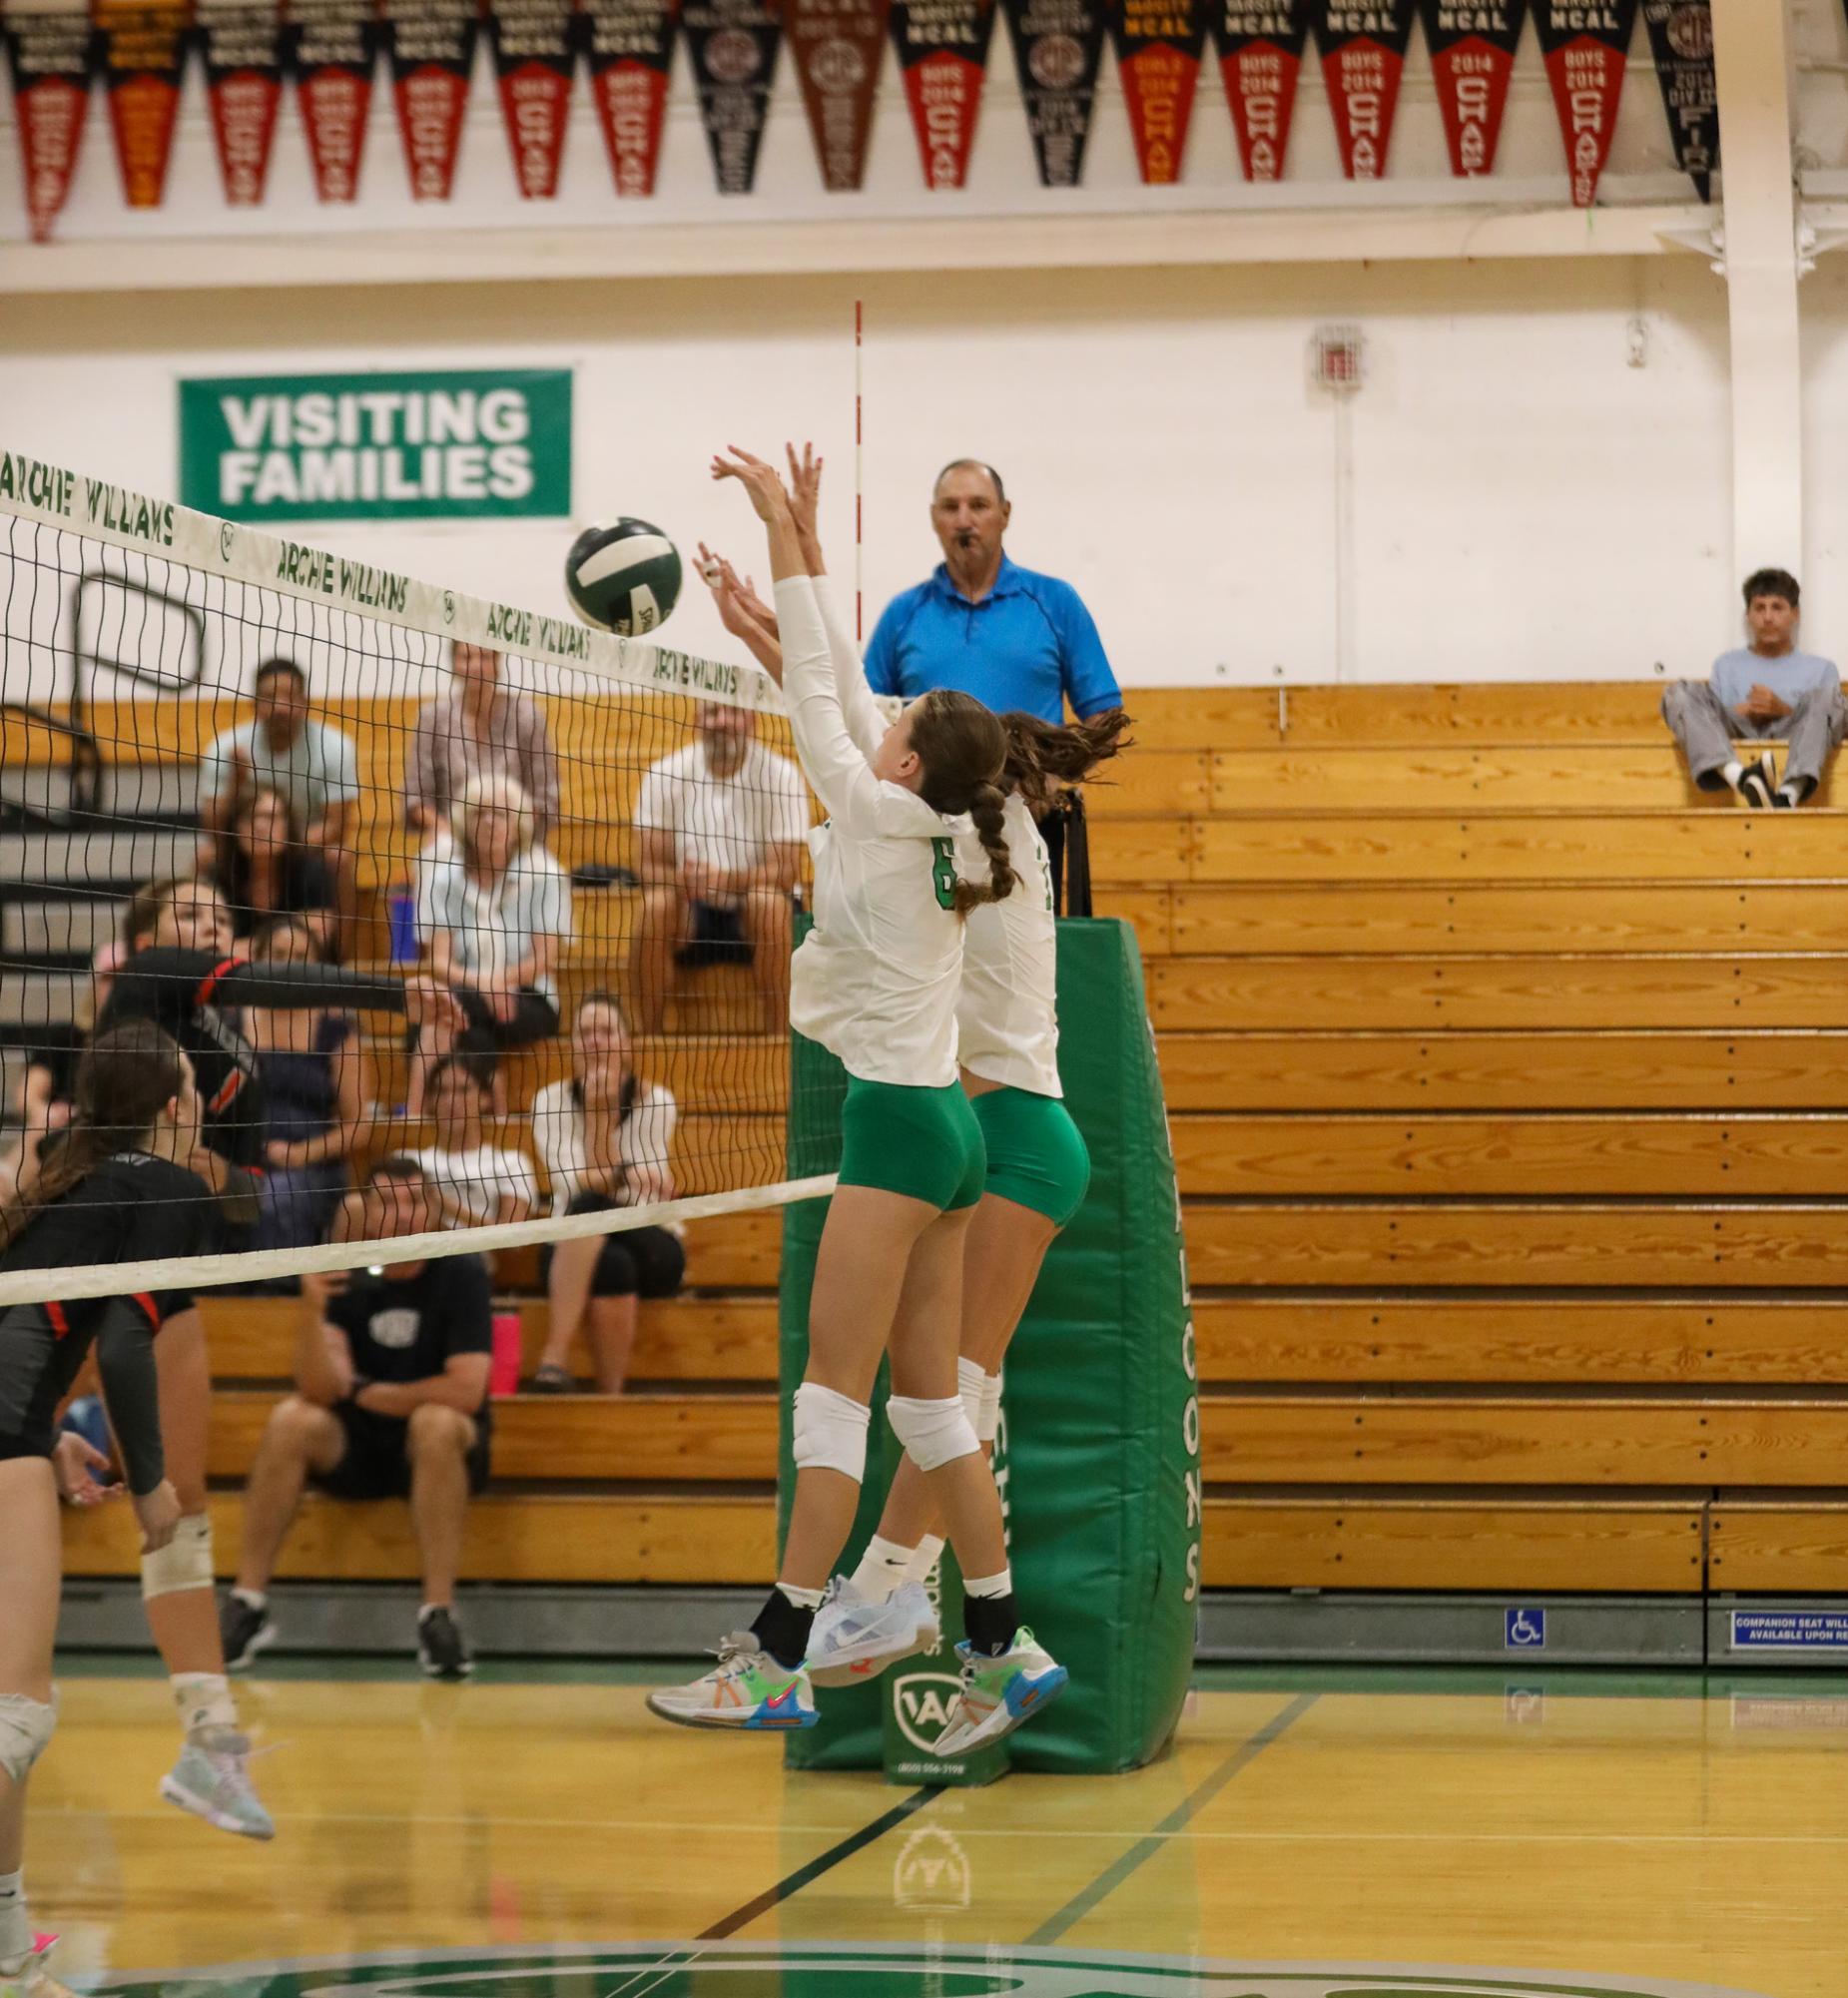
x=752, y=1970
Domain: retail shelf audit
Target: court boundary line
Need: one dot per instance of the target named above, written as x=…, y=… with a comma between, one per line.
x=793, y=1883
x=1106, y=1883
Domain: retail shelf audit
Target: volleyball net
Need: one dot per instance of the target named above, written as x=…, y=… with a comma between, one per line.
x=426, y=877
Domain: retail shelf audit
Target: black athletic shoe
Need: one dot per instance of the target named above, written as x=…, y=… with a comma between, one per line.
x=1758, y=787
x=441, y=1650
x=243, y=1629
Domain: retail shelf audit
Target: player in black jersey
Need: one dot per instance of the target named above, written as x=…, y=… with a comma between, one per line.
x=114, y=1191
x=183, y=974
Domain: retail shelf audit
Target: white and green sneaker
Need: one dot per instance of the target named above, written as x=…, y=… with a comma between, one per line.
x=745, y=1688
x=212, y=1781
x=999, y=1693
x=854, y=1640
x=32, y=1979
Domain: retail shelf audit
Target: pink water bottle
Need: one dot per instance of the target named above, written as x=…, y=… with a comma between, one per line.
x=503, y=1375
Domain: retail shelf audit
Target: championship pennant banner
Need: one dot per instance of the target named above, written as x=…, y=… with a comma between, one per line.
x=535, y=60
x=1363, y=63
x=1058, y=50
x=1682, y=41
x=837, y=45
x=1261, y=46
x=1586, y=48
x=143, y=50
x=1158, y=47
x=732, y=45
x=334, y=50
x=631, y=47
x=49, y=57
x=942, y=50
x=432, y=46
x=242, y=43
x=1472, y=59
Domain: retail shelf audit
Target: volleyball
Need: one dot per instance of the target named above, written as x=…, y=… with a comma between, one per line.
x=624, y=578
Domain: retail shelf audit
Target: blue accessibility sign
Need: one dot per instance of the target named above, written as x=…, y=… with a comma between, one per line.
x=1523, y=1630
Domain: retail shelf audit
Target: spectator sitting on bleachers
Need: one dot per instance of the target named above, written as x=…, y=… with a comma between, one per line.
x=605, y=1139
x=476, y=731
x=722, y=823
x=314, y=1098
x=390, y=1402
x=469, y=1180
x=313, y=765
x=264, y=868
x=1768, y=690
x=495, y=914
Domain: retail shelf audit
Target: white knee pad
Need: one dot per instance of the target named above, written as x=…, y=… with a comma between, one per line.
x=988, y=1426
x=25, y=1732
x=934, y=1433
x=970, y=1381
x=830, y=1431
x=183, y=1562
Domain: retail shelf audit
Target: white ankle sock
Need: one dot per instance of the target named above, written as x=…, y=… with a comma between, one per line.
x=882, y=1569
x=918, y=1568
x=204, y=1700
x=258, y=1599
x=1796, y=792
x=802, y=1599
x=989, y=1586
x=15, y=1923
x=1732, y=772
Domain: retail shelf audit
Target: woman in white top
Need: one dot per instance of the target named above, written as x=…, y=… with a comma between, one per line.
x=605, y=1139
x=877, y=982
x=494, y=914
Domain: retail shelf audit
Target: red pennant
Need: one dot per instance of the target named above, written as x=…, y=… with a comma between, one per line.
x=1261, y=57
x=942, y=50
x=48, y=52
x=1363, y=63
x=837, y=46
x=631, y=52
x=144, y=55
x=1158, y=45
x=1587, y=48
x=334, y=50
x=243, y=45
x=535, y=54
x=432, y=53
x=1472, y=59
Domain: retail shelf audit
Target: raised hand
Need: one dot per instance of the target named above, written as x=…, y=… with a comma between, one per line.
x=805, y=490
x=769, y=500
x=741, y=610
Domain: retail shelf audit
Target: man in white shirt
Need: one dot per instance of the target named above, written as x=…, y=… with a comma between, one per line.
x=722, y=824
x=470, y=1181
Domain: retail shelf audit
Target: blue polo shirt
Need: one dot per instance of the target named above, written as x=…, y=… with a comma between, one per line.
x=1027, y=645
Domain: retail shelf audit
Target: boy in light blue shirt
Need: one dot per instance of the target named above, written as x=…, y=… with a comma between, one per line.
x=1768, y=690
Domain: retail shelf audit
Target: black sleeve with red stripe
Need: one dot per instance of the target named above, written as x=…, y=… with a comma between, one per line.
x=186, y=980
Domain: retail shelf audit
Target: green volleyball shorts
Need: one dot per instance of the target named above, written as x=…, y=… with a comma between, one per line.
x=925, y=1143
x=1037, y=1156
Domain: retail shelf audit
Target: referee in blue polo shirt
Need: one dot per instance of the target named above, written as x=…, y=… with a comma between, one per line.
x=1012, y=637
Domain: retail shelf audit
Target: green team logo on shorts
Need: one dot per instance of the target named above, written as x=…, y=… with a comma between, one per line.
x=847, y=1970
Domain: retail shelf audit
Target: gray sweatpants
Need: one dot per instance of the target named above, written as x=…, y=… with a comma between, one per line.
x=1706, y=729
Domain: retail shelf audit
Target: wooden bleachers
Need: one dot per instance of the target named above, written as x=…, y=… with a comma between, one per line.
x=1511, y=1129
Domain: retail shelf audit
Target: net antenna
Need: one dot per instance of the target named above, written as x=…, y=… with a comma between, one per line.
x=132, y=631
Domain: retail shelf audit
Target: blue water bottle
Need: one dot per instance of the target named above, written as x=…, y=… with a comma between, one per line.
x=401, y=915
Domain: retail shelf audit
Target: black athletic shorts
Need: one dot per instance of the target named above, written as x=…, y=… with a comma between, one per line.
x=22, y=1445
x=376, y=1462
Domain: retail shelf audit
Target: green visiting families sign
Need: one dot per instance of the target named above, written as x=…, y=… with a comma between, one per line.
x=460, y=445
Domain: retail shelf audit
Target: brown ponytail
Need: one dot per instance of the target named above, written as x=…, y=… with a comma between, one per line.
x=124, y=1079
x=963, y=749
x=1044, y=756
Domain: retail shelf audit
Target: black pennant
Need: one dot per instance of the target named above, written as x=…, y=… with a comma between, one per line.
x=733, y=44
x=1057, y=47
x=1681, y=39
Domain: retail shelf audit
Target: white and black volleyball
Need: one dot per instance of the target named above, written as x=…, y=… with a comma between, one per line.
x=624, y=578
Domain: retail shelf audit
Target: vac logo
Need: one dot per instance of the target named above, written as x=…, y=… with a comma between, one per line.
x=920, y=1701
x=852, y=1970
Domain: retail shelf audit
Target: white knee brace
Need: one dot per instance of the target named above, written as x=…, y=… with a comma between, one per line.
x=934, y=1433
x=830, y=1431
x=989, y=1426
x=183, y=1562
x=25, y=1732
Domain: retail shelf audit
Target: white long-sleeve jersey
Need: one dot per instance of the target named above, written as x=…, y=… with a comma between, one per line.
x=876, y=979
x=1007, y=1011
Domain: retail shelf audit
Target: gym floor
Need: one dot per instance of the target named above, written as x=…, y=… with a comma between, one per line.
x=1351, y=1834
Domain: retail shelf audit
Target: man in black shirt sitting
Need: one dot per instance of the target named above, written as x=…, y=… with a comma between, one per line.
x=390, y=1401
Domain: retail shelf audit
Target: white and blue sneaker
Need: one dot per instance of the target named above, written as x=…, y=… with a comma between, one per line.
x=854, y=1641
x=212, y=1781
x=31, y=1979
x=999, y=1693
x=746, y=1688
